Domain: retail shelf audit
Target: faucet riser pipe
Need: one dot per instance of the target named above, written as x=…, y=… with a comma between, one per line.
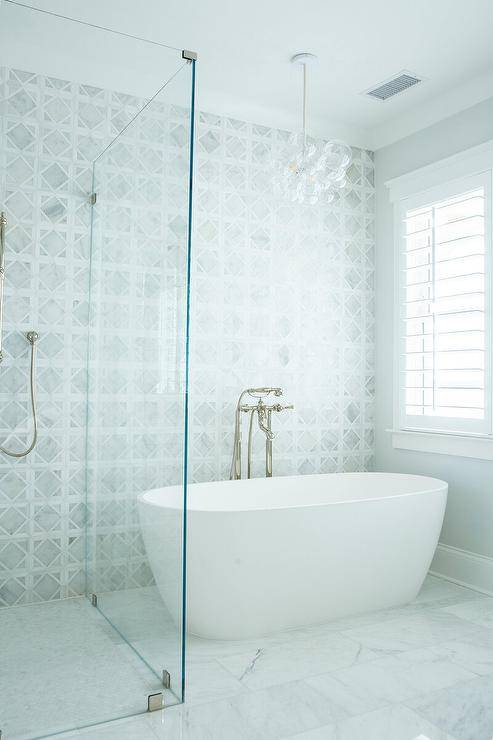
x=250, y=440
x=264, y=420
x=268, y=447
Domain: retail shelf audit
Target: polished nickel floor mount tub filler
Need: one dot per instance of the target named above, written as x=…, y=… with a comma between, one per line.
x=263, y=412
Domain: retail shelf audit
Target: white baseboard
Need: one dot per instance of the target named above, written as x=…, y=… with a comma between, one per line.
x=463, y=567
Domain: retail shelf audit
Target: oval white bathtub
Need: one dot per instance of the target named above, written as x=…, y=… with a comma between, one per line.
x=275, y=553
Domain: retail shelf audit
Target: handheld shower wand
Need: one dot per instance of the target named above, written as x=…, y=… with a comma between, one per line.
x=32, y=338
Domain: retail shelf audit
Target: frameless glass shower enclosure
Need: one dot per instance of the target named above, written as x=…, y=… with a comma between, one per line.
x=137, y=371
x=96, y=163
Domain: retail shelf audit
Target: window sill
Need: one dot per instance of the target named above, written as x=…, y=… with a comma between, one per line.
x=458, y=445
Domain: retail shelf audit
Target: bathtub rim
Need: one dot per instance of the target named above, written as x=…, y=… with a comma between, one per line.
x=437, y=485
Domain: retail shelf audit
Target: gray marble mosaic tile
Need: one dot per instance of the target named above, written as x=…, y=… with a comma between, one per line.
x=281, y=295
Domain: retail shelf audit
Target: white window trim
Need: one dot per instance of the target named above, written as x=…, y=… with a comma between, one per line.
x=478, y=447
x=477, y=161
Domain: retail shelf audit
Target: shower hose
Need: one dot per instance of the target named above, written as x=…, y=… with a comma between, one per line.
x=32, y=338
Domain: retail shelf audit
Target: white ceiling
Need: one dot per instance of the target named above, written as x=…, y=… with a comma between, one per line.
x=244, y=51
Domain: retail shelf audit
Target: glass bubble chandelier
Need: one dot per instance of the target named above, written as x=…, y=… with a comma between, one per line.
x=309, y=170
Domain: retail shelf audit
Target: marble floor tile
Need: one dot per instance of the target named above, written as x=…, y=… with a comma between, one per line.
x=62, y=667
x=208, y=682
x=391, y=680
x=214, y=721
x=327, y=732
x=267, y=714
x=344, y=696
x=407, y=633
x=391, y=723
x=474, y=652
x=346, y=680
x=206, y=679
x=465, y=711
x=130, y=728
x=437, y=592
x=201, y=649
x=138, y=613
x=308, y=657
x=140, y=616
x=479, y=611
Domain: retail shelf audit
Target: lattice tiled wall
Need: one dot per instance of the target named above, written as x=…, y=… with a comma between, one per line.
x=281, y=295
x=50, y=131
x=137, y=358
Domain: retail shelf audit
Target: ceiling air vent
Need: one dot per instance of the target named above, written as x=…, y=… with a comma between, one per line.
x=399, y=83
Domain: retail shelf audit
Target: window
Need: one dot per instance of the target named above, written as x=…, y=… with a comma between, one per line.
x=443, y=367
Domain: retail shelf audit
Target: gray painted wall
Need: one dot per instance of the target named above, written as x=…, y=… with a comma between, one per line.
x=469, y=518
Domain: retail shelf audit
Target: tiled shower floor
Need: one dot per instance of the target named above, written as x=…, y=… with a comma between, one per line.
x=420, y=672
x=62, y=665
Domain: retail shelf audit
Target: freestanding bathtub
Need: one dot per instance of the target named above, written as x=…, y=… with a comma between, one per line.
x=269, y=554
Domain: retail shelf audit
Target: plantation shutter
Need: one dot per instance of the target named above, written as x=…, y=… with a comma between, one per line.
x=444, y=364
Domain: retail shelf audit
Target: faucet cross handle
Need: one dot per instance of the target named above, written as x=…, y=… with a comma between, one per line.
x=278, y=407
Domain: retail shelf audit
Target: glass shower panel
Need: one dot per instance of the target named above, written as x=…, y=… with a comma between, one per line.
x=137, y=378
x=67, y=90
